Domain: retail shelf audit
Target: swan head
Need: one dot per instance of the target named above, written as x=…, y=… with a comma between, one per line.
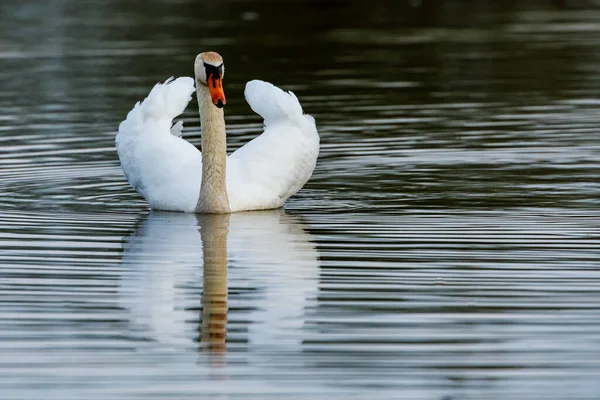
x=209, y=71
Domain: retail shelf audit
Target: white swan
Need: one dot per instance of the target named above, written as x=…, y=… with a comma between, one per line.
x=173, y=175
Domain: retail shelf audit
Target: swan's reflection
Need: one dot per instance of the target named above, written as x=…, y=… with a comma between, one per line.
x=265, y=260
x=213, y=230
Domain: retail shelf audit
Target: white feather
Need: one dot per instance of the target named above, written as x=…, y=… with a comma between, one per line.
x=168, y=100
x=263, y=174
x=272, y=103
x=161, y=167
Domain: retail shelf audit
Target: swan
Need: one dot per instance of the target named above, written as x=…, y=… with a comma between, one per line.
x=173, y=175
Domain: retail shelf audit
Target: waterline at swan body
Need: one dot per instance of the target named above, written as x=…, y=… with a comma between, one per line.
x=173, y=175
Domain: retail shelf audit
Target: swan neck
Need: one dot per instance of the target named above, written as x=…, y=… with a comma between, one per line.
x=213, y=190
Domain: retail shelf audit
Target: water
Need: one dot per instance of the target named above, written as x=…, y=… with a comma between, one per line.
x=447, y=246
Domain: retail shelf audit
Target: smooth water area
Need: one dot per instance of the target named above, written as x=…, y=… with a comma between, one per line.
x=446, y=247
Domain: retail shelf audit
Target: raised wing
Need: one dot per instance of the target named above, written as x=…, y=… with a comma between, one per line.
x=157, y=163
x=275, y=165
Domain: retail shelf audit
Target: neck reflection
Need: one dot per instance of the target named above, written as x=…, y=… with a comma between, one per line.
x=213, y=328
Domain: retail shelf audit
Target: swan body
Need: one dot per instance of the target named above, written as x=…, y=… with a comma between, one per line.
x=169, y=172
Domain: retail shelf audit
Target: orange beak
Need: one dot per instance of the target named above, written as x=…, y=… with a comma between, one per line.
x=215, y=87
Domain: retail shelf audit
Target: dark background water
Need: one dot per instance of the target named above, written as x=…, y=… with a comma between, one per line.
x=447, y=245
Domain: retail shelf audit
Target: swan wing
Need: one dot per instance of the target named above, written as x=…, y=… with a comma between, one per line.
x=160, y=165
x=275, y=165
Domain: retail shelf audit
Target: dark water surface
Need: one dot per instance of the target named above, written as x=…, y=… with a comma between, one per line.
x=447, y=246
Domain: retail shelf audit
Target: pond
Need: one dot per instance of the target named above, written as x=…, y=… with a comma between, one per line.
x=446, y=247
